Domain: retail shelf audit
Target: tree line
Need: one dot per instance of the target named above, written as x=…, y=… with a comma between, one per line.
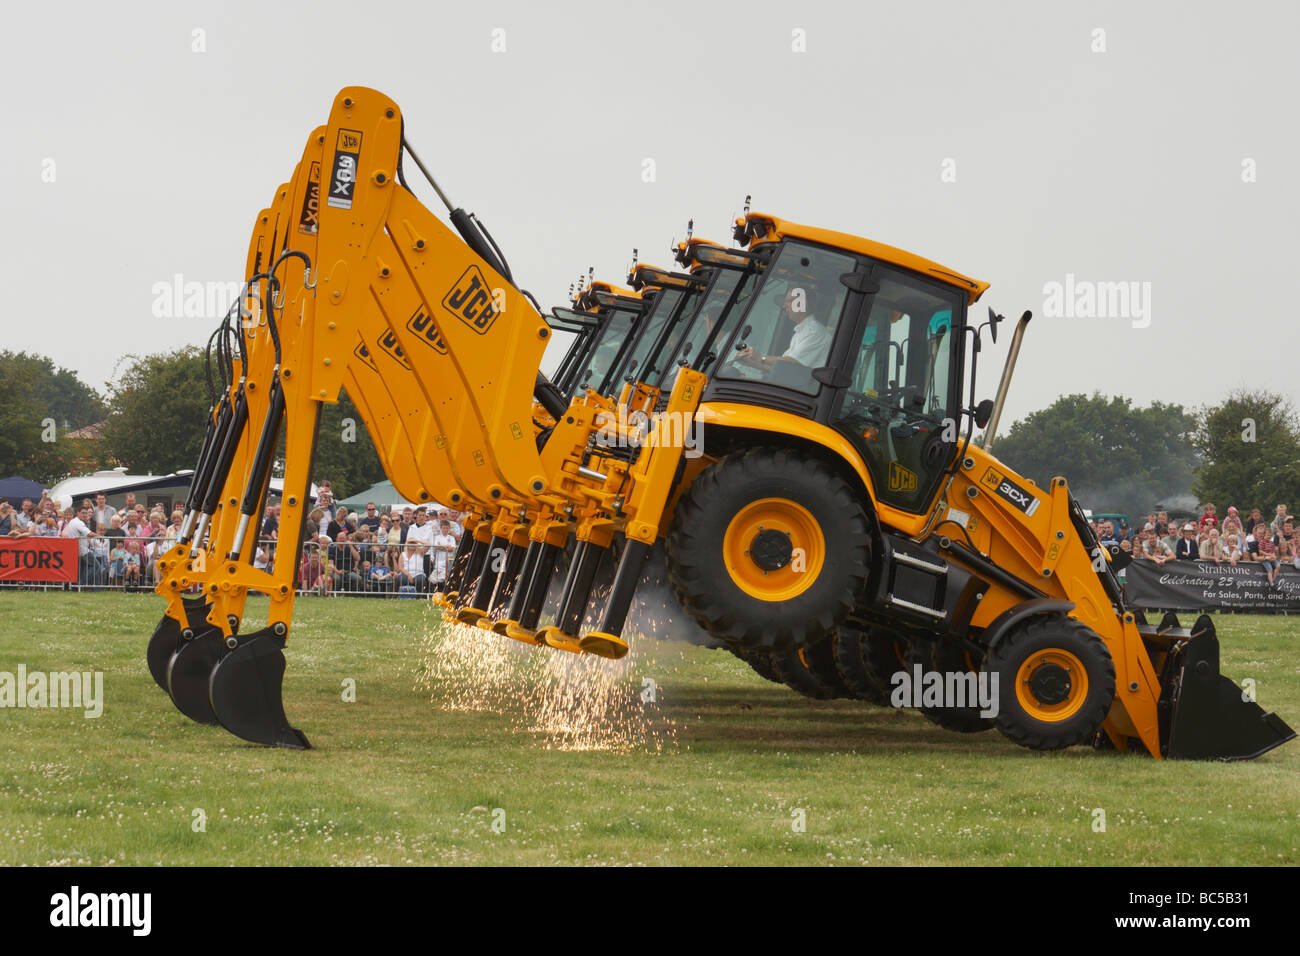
x=149, y=420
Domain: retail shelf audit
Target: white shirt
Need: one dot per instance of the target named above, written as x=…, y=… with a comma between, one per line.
x=810, y=343
x=421, y=534
x=76, y=528
x=413, y=562
x=440, y=558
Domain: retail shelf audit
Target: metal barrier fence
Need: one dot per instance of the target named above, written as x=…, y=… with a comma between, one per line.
x=347, y=569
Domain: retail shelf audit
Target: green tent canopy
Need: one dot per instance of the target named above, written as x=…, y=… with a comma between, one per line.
x=384, y=495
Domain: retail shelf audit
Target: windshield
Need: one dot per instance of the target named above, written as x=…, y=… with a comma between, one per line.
x=647, y=334
x=793, y=318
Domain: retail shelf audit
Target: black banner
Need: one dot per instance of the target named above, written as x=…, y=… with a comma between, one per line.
x=1204, y=585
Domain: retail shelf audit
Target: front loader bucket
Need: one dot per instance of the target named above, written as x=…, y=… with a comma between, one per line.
x=167, y=637
x=1205, y=716
x=247, y=692
x=189, y=671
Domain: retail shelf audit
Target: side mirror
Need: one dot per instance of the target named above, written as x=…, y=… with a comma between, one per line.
x=983, y=412
x=994, y=319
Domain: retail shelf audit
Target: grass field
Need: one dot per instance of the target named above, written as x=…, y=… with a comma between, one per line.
x=451, y=733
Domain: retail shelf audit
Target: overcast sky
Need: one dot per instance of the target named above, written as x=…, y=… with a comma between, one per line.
x=1010, y=141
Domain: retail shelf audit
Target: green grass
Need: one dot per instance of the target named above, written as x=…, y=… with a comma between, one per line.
x=712, y=772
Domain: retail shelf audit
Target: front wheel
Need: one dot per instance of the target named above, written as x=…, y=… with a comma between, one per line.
x=1056, y=682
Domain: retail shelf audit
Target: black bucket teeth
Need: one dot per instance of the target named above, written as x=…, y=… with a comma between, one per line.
x=1204, y=715
x=247, y=692
x=167, y=638
x=190, y=670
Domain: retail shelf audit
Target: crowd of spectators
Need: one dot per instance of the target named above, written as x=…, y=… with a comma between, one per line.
x=1271, y=543
x=406, y=551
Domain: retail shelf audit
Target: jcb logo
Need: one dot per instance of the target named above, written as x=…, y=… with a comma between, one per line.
x=422, y=324
x=992, y=478
x=347, y=157
x=470, y=300
x=388, y=342
x=900, y=478
x=363, y=353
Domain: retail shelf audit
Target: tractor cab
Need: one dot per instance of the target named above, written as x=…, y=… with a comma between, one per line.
x=859, y=337
x=608, y=315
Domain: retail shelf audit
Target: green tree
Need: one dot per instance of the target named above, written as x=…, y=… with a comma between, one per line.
x=345, y=455
x=1250, y=443
x=157, y=412
x=38, y=405
x=59, y=392
x=1115, y=456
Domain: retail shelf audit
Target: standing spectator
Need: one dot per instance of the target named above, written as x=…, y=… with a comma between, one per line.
x=1232, y=523
x=25, y=518
x=1256, y=517
x=408, y=521
x=1209, y=516
x=444, y=546
x=325, y=502
x=1157, y=549
x=312, y=529
x=1278, y=519
x=456, y=528
x=340, y=523
x=1171, y=537
x=8, y=528
x=371, y=518
x=1264, y=552
x=77, y=527
x=271, y=522
x=1186, y=548
x=116, y=561
x=1162, y=524
x=1288, y=544
x=103, y=510
x=1232, y=547
x=1212, y=550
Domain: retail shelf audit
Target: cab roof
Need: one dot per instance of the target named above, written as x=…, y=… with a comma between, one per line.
x=761, y=228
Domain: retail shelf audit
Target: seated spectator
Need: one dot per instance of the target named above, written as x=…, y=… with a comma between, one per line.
x=412, y=573
x=8, y=527
x=1232, y=547
x=344, y=564
x=131, y=569
x=116, y=562
x=1186, y=548
x=1264, y=552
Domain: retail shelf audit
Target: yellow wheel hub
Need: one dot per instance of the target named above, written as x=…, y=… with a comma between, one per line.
x=774, y=549
x=1051, y=685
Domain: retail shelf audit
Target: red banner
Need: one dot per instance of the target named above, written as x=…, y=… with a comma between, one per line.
x=38, y=559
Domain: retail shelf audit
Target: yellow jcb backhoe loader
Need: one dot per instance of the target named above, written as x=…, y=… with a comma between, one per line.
x=839, y=486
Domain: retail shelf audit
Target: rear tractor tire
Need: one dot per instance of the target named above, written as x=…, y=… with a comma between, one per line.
x=769, y=550
x=811, y=671
x=851, y=648
x=1056, y=682
x=945, y=657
